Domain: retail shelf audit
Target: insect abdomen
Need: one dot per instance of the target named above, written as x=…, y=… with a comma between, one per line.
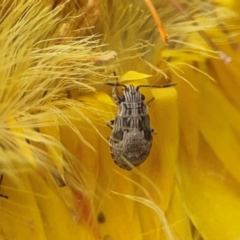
x=133, y=145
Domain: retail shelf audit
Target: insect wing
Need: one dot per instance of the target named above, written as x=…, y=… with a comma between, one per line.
x=131, y=138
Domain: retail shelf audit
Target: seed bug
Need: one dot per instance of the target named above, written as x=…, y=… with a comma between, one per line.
x=131, y=137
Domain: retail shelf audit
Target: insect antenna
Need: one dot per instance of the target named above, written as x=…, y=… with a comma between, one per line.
x=157, y=86
x=116, y=85
x=118, y=99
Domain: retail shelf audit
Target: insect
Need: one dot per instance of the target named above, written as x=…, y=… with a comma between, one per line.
x=131, y=137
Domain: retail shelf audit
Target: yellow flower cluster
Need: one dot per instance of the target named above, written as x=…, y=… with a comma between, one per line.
x=58, y=178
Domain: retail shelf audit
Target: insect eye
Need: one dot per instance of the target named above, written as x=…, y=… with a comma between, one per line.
x=142, y=97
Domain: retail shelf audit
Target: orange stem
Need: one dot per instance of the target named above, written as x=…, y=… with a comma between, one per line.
x=161, y=29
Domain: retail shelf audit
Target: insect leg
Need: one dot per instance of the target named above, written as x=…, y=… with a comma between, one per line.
x=115, y=94
x=149, y=100
x=153, y=131
x=110, y=124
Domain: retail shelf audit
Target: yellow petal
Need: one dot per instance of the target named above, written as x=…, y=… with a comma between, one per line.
x=54, y=152
x=133, y=75
x=19, y=138
x=177, y=216
x=210, y=194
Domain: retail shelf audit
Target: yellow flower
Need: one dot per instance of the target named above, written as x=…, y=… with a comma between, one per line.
x=59, y=181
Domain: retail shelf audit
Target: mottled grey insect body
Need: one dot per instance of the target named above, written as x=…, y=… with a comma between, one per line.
x=131, y=137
